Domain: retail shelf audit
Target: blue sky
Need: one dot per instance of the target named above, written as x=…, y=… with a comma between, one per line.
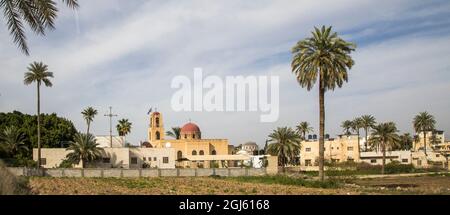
x=125, y=53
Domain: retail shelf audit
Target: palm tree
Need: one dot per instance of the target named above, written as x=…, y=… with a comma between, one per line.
x=384, y=136
x=303, y=128
x=424, y=122
x=84, y=149
x=38, y=72
x=368, y=122
x=88, y=115
x=40, y=15
x=12, y=141
x=175, y=133
x=124, y=127
x=356, y=126
x=346, y=127
x=324, y=57
x=285, y=143
x=406, y=141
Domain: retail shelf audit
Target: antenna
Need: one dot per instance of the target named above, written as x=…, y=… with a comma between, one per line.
x=110, y=115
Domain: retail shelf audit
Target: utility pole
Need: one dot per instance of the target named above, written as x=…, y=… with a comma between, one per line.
x=110, y=115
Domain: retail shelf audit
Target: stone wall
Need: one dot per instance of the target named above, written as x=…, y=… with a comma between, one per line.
x=134, y=173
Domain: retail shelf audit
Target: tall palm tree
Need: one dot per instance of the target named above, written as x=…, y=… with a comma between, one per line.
x=368, y=122
x=303, y=128
x=324, y=57
x=12, y=141
x=384, y=136
x=40, y=15
x=38, y=72
x=424, y=122
x=175, y=133
x=406, y=142
x=346, y=127
x=285, y=143
x=84, y=149
x=124, y=127
x=356, y=126
x=88, y=115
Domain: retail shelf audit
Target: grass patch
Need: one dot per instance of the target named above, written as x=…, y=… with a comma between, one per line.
x=12, y=185
x=286, y=180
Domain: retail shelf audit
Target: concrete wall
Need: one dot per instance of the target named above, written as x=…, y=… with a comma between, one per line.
x=134, y=173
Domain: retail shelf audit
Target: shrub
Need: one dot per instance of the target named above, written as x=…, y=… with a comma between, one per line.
x=10, y=184
x=66, y=164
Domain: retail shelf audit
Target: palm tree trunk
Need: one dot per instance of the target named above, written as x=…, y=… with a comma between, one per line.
x=87, y=132
x=384, y=157
x=39, y=124
x=365, y=144
x=425, y=143
x=359, y=150
x=321, y=127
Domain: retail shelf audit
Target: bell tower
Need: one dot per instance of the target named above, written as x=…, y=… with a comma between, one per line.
x=156, y=128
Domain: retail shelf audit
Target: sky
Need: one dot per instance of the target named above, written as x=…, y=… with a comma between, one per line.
x=125, y=54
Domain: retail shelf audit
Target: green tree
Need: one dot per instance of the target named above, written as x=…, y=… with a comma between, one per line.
x=368, y=122
x=424, y=122
x=88, y=115
x=12, y=141
x=175, y=133
x=357, y=124
x=123, y=127
x=40, y=15
x=384, y=136
x=346, y=127
x=285, y=143
x=38, y=72
x=303, y=128
x=325, y=58
x=84, y=149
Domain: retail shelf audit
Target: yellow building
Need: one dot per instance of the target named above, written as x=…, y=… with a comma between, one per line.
x=191, y=150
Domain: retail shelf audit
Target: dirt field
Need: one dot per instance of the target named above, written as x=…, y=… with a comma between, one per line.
x=207, y=185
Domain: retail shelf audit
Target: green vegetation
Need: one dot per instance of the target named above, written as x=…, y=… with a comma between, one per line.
x=84, y=150
x=10, y=184
x=424, y=122
x=303, y=128
x=384, y=136
x=88, y=115
x=285, y=143
x=56, y=132
x=323, y=58
x=175, y=133
x=367, y=122
x=286, y=180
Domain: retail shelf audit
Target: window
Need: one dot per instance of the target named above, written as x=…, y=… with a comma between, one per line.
x=308, y=162
x=213, y=152
x=373, y=161
x=404, y=160
x=158, y=135
x=437, y=155
x=185, y=136
x=144, y=158
x=106, y=160
x=165, y=159
x=194, y=152
x=419, y=162
x=157, y=122
x=350, y=159
x=179, y=155
x=350, y=148
x=337, y=148
x=149, y=158
x=43, y=161
x=134, y=160
x=193, y=136
x=154, y=158
x=201, y=152
x=308, y=149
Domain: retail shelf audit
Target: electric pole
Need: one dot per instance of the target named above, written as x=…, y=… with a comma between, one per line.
x=110, y=115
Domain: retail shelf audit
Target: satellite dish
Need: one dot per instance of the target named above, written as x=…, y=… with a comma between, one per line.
x=168, y=145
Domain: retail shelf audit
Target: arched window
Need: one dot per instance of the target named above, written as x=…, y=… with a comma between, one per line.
x=193, y=136
x=201, y=152
x=309, y=137
x=158, y=135
x=194, y=152
x=185, y=136
x=179, y=155
x=157, y=122
x=213, y=152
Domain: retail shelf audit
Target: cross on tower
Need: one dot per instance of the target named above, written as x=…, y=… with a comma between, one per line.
x=110, y=115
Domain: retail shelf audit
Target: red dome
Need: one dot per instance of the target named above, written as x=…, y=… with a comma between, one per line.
x=190, y=128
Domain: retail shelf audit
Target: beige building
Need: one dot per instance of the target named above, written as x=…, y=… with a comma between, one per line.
x=376, y=157
x=437, y=139
x=191, y=150
x=163, y=158
x=343, y=148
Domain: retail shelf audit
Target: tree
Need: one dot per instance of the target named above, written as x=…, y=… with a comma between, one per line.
x=124, y=127
x=405, y=143
x=88, y=115
x=424, y=122
x=303, y=128
x=38, y=72
x=384, y=136
x=346, y=127
x=84, y=149
x=368, y=122
x=356, y=125
x=285, y=143
x=175, y=133
x=40, y=15
x=324, y=57
x=12, y=141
